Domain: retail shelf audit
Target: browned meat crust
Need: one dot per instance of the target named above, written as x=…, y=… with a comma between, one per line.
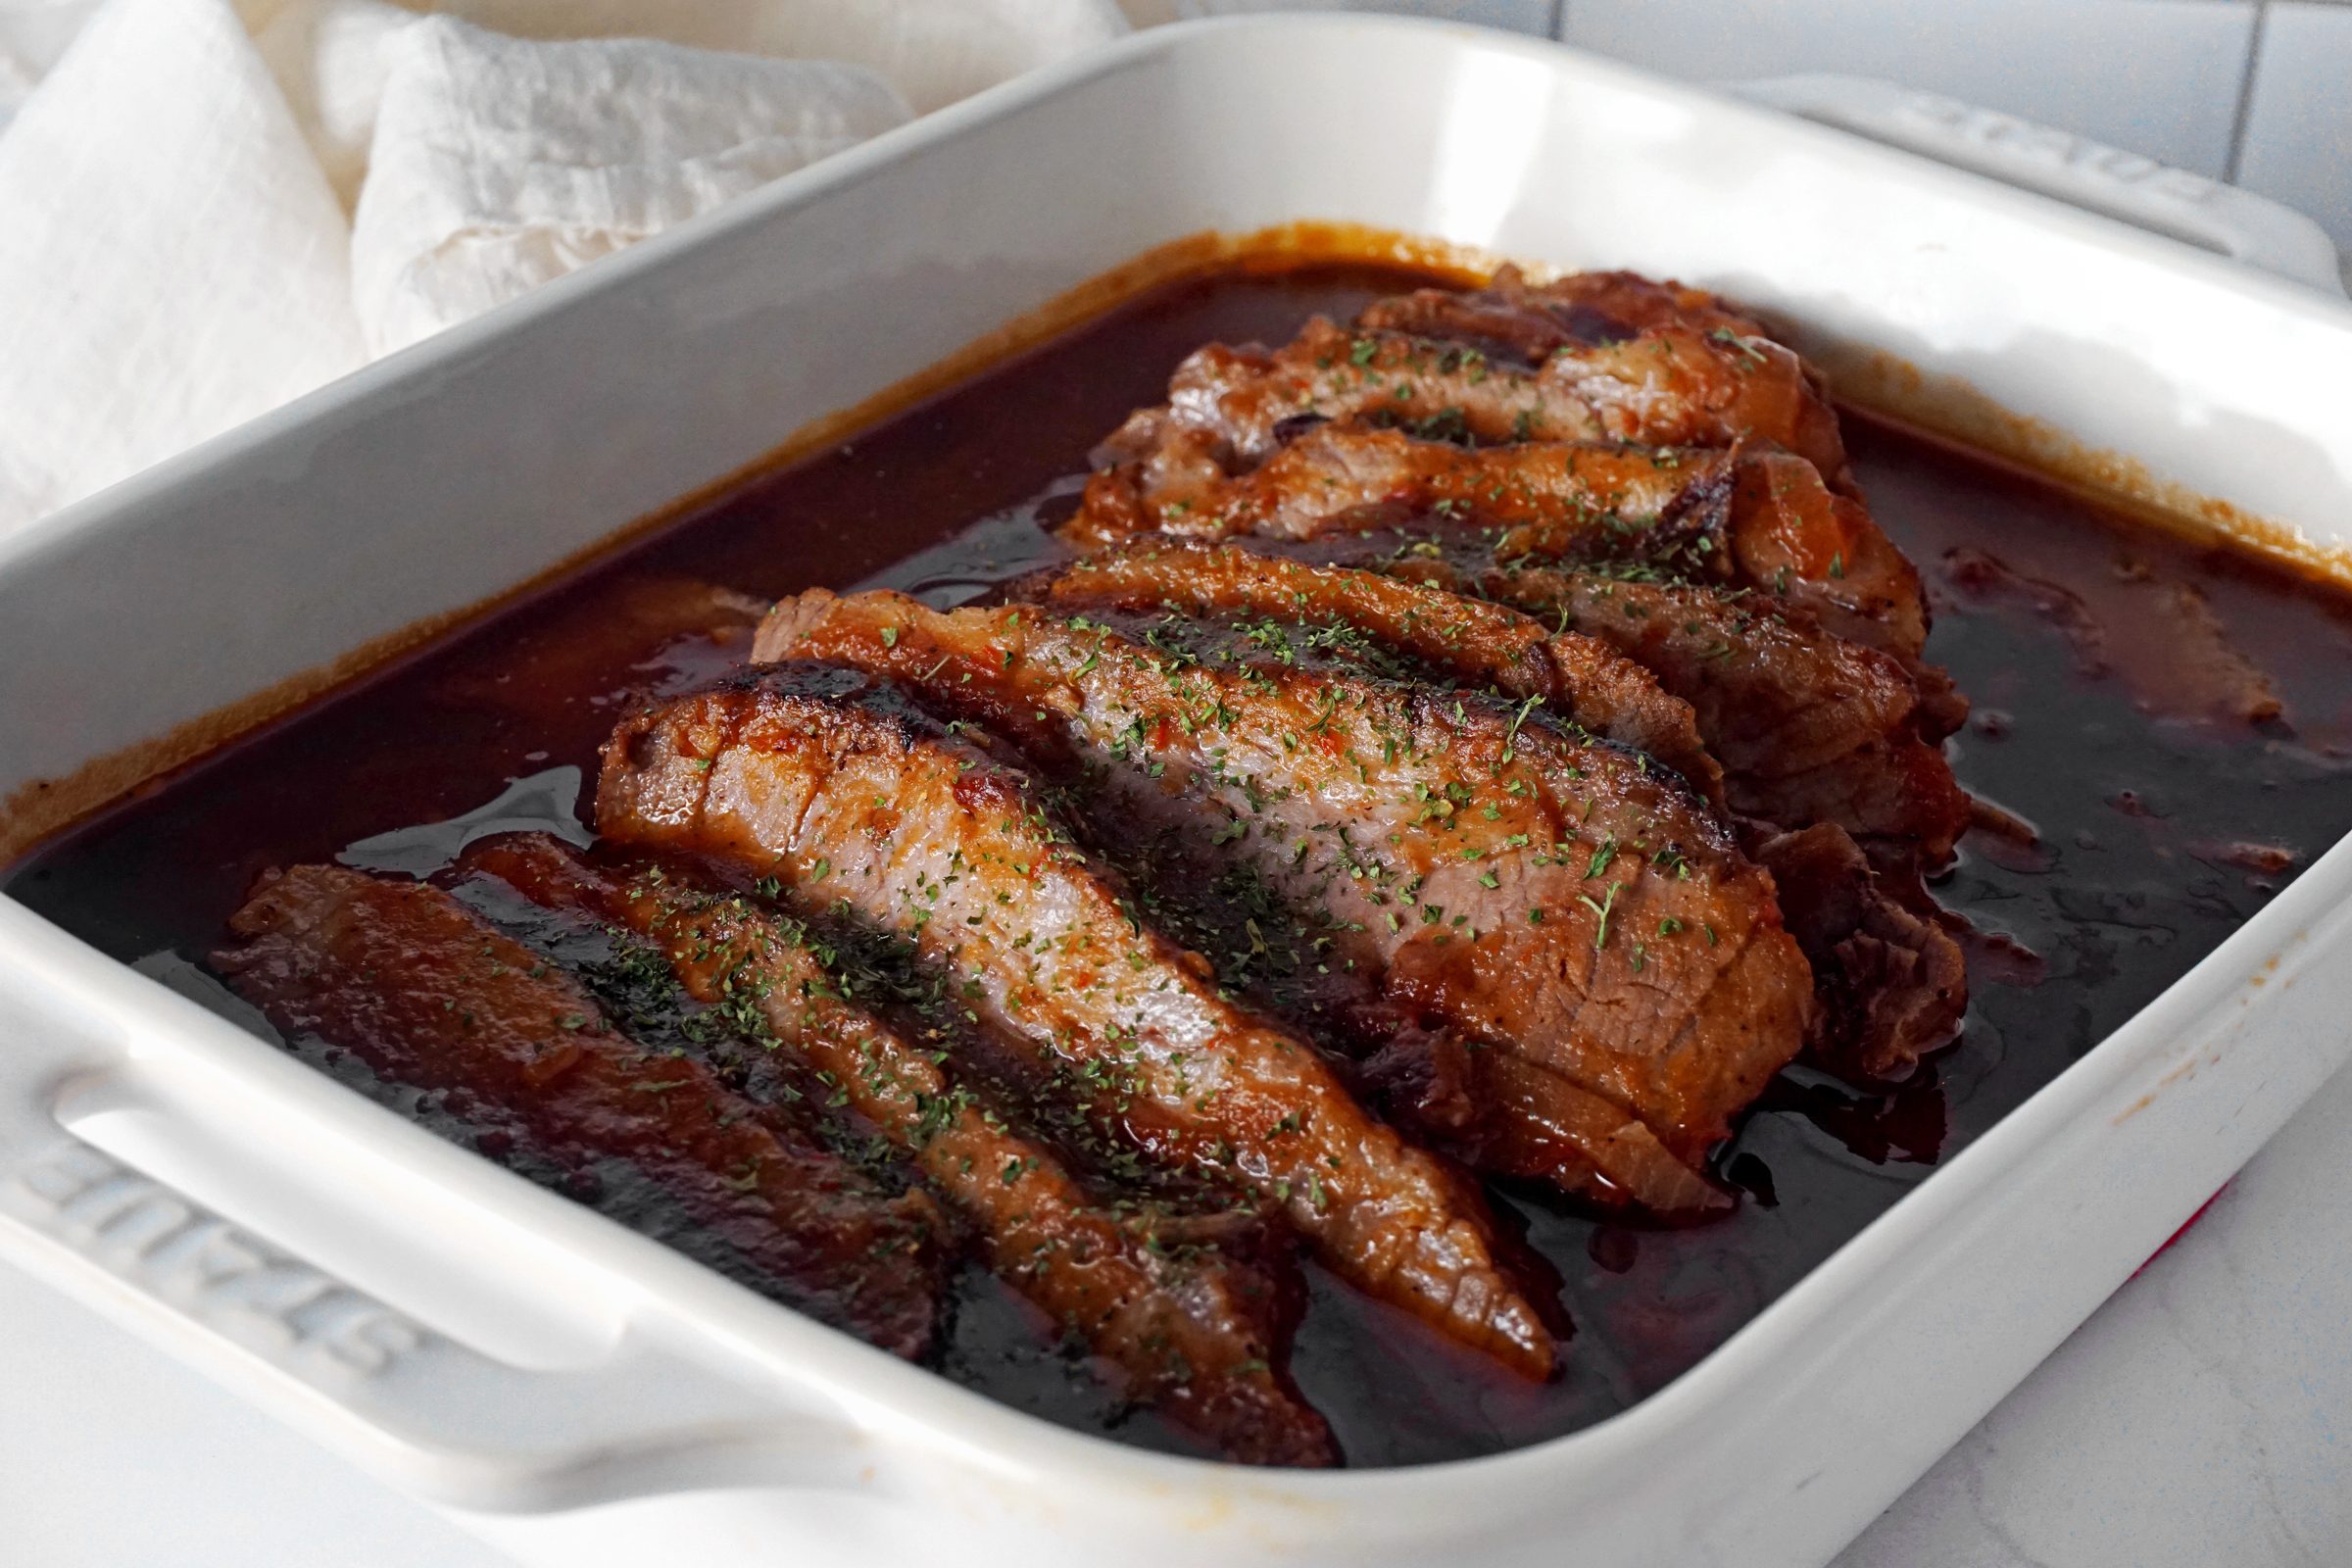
x=429, y=993
x=1893, y=983
x=852, y=798
x=1484, y=643
x=1744, y=517
x=1506, y=879
x=1190, y=1313
x=1669, y=386
x=1515, y=319
x=1808, y=728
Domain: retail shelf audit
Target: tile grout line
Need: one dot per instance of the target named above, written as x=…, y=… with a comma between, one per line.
x=2244, y=113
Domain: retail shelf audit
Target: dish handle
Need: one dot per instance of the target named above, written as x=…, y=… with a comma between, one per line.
x=2076, y=169
x=413, y=1407
x=116, y=1170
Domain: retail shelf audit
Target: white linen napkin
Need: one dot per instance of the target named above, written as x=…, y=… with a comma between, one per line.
x=172, y=260
x=933, y=51
x=207, y=207
x=499, y=164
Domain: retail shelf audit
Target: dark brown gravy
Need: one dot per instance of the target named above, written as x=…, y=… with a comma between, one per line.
x=2124, y=684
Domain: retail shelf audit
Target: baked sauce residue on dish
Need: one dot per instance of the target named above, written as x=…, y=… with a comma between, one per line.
x=1322, y=869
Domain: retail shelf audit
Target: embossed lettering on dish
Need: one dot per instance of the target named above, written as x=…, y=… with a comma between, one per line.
x=1996, y=129
x=148, y=1236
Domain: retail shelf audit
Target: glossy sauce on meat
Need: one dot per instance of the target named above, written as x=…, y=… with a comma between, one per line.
x=2174, y=724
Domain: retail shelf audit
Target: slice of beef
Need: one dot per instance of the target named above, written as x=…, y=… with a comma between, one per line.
x=1746, y=516
x=1422, y=629
x=853, y=798
x=1191, y=1314
x=1809, y=728
x=1892, y=985
x=1583, y=313
x=429, y=993
x=1669, y=386
x=1515, y=319
x=1893, y=981
x=1630, y=502
x=1498, y=876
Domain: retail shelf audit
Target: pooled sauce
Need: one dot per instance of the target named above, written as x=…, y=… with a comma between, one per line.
x=2167, y=727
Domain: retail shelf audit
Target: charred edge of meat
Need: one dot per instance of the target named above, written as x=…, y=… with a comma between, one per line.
x=1893, y=981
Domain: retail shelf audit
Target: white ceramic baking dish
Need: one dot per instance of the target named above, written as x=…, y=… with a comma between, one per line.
x=583, y=1396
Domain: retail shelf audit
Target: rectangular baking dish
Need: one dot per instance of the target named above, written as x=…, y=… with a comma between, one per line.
x=577, y=1393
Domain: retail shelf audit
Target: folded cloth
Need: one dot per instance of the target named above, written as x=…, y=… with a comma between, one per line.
x=499, y=164
x=933, y=51
x=172, y=260
x=331, y=56
x=176, y=254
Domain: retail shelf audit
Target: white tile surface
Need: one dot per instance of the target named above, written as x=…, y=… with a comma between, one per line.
x=2160, y=77
x=2298, y=145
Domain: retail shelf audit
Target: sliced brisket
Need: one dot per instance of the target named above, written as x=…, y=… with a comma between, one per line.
x=1808, y=728
x=429, y=993
x=1744, y=517
x=853, y=798
x=1191, y=1314
x=1671, y=385
x=1427, y=629
x=1498, y=876
x=1890, y=979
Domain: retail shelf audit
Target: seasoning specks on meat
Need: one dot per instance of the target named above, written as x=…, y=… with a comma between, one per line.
x=427, y=993
x=1190, y=1311
x=1485, y=869
x=849, y=795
